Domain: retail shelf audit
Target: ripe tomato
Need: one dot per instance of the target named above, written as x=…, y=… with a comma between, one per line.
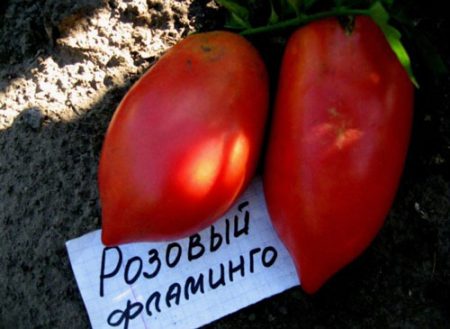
x=338, y=141
x=185, y=140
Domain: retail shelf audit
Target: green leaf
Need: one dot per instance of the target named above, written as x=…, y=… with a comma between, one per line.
x=306, y=4
x=393, y=36
x=239, y=15
x=274, y=18
x=295, y=5
x=300, y=6
x=237, y=22
x=285, y=8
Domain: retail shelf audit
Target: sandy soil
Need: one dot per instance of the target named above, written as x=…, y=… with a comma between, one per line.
x=65, y=65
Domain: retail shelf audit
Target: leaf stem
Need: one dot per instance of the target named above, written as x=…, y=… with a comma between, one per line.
x=305, y=19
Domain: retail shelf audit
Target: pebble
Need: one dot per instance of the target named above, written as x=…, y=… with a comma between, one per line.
x=33, y=117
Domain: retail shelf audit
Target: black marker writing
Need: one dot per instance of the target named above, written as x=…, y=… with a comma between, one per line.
x=177, y=292
x=136, y=268
x=111, y=274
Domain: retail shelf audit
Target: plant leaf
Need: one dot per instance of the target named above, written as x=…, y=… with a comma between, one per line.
x=237, y=22
x=239, y=15
x=393, y=36
x=306, y=4
x=274, y=18
x=285, y=8
x=295, y=5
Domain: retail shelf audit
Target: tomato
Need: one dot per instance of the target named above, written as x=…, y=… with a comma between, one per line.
x=338, y=142
x=185, y=140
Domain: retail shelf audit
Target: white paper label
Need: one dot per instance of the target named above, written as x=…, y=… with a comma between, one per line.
x=187, y=283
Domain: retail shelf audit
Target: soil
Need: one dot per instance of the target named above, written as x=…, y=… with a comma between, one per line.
x=65, y=65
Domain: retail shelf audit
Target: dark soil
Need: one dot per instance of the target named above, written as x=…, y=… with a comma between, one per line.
x=65, y=65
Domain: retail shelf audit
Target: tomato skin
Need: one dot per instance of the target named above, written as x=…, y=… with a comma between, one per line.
x=338, y=142
x=185, y=140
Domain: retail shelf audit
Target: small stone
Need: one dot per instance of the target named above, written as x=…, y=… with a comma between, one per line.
x=115, y=60
x=33, y=117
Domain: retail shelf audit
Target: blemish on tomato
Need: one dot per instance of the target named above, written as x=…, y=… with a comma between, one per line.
x=347, y=137
x=206, y=48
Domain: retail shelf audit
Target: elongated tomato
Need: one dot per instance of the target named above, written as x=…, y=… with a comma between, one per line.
x=185, y=140
x=338, y=142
